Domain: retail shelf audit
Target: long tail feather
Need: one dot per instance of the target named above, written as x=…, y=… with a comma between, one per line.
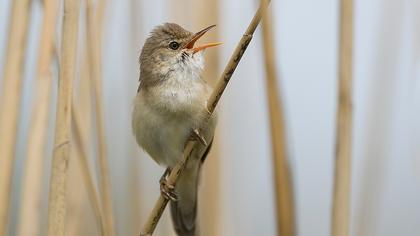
x=184, y=211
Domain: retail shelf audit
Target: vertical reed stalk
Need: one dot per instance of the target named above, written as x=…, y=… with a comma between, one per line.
x=58, y=184
x=81, y=142
x=282, y=176
x=10, y=101
x=32, y=183
x=207, y=13
x=214, y=98
x=342, y=184
x=80, y=171
x=94, y=47
x=134, y=171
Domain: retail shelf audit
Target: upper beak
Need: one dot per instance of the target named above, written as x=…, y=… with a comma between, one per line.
x=196, y=36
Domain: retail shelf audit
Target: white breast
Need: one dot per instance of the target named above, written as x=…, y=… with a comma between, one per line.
x=164, y=116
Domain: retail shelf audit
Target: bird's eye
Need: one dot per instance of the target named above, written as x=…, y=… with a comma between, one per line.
x=174, y=45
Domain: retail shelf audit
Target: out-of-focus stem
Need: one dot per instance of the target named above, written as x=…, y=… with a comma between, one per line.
x=10, y=101
x=342, y=185
x=62, y=144
x=282, y=176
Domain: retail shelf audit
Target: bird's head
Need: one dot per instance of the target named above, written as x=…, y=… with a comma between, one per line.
x=171, y=48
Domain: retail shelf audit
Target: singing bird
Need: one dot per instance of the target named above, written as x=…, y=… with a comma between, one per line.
x=170, y=105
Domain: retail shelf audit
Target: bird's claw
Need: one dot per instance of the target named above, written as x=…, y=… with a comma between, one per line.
x=168, y=190
x=197, y=136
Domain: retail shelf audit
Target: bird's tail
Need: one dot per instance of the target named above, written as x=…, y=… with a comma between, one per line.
x=184, y=210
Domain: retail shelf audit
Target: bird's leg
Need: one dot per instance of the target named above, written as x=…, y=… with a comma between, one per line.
x=196, y=136
x=167, y=190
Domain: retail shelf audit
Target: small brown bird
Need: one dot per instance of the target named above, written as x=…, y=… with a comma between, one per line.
x=170, y=104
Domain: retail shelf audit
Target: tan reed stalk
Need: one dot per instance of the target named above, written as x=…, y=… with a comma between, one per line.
x=62, y=145
x=10, y=102
x=342, y=184
x=81, y=120
x=282, y=176
x=161, y=203
x=32, y=183
x=94, y=47
x=133, y=172
x=77, y=219
x=81, y=142
x=207, y=13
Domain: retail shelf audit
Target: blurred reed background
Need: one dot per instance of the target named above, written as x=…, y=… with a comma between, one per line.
x=277, y=166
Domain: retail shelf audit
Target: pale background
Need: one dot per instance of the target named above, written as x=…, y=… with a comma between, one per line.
x=237, y=195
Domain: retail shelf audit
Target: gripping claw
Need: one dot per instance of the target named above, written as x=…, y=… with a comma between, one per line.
x=199, y=137
x=167, y=190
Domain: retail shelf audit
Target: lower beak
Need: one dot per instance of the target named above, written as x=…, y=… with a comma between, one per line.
x=202, y=47
x=196, y=36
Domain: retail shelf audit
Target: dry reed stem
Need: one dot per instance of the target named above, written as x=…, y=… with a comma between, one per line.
x=61, y=153
x=214, y=98
x=133, y=173
x=32, y=183
x=94, y=47
x=282, y=176
x=342, y=187
x=81, y=142
x=10, y=101
x=207, y=13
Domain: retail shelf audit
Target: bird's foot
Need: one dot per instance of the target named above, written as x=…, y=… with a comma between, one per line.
x=167, y=190
x=196, y=136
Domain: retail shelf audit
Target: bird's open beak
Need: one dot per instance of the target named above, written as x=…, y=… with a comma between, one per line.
x=196, y=36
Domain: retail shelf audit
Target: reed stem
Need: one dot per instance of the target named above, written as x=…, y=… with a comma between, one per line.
x=94, y=47
x=10, y=102
x=62, y=144
x=282, y=176
x=342, y=184
x=32, y=183
x=81, y=138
